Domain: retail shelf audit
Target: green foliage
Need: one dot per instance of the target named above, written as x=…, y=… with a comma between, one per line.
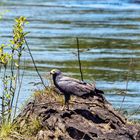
x=4, y=57
x=6, y=129
x=11, y=81
x=18, y=33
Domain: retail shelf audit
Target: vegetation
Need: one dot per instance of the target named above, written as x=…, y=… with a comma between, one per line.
x=10, y=58
x=12, y=70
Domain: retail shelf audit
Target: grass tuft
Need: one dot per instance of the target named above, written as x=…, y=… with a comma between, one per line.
x=6, y=129
x=49, y=94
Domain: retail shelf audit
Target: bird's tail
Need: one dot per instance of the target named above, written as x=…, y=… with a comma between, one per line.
x=97, y=91
x=100, y=93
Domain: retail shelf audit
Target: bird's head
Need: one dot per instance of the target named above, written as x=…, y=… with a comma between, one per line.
x=55, y=72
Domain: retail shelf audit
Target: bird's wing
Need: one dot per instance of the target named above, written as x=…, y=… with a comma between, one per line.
x=74, y=86
x=65, y=78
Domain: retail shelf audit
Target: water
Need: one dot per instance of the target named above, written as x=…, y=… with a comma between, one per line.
x=109, y=36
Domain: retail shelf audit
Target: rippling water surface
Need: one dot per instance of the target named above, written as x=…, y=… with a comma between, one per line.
x=109, y=36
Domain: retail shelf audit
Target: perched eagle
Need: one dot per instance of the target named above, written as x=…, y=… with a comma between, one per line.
x=70, y=86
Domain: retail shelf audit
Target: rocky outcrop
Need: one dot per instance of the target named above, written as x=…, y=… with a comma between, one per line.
x=88, y=119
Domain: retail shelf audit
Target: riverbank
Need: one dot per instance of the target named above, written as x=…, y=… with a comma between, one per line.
x=43, y=118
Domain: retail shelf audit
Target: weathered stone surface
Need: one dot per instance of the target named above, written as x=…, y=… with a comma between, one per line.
x=86, y=119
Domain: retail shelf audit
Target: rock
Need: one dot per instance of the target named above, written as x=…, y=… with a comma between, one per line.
x=88, y=119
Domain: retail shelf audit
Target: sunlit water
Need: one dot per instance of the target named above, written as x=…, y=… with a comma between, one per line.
x=109, y=36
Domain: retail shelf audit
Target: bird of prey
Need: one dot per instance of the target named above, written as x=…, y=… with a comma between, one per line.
x=70, y=86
